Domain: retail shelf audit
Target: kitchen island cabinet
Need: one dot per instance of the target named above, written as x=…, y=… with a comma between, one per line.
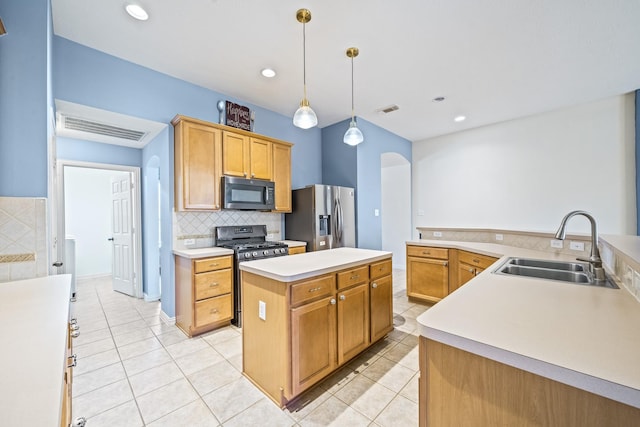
x=305, y=316
x=528, y=352
x=37, y=361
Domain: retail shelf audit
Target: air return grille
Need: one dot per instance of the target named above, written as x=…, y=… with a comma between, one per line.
x=389, y=109
x=73, y=123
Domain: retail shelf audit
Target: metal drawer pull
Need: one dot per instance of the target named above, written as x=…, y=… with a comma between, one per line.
x=215, y=264
x=75, y=334
x=342, y=298
x=315, y=289
x=213, y=311
x=355, y=276
x=374, y=285
x=476, y=260
x=426, y=253
x=74, y=360
x=211, y=285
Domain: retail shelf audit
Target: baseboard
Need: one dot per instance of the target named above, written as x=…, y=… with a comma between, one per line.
x=93, y=276
x=150, y=298
x=166, y=319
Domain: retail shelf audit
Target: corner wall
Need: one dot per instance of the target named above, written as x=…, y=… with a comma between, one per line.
x=526, y=174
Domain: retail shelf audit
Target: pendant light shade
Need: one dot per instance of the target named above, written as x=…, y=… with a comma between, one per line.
x=304, y=117
x=353, y=135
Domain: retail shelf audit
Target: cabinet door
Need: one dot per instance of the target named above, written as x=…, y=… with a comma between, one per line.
x=235, y=154
x=313, y=343
x=427, y=278
x=353, y=322
x=465, y=273
x=260, y=159
x=381, y=307
x=282, y=176
x=199, y=169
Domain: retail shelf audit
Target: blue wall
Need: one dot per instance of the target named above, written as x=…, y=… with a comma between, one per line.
x=24, y=97
x=90, y=77
x=359, y=167
x=95, y=152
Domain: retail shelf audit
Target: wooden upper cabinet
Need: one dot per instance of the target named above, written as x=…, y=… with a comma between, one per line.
x=282, y=176
x=245, y=156
x=197, y=166
x=235, y=151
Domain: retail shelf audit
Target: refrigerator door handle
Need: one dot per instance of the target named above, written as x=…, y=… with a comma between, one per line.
x=339, y=222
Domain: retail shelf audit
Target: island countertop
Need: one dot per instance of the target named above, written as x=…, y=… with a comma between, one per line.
x=309, y=264
x=34, y=316
x=584, y=336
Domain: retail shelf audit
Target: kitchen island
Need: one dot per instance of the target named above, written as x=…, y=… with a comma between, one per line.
x=34, y=326
x=306, y=315
x=510, y=350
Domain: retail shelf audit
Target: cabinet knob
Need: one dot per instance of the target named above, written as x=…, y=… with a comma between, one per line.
x=73, y=320
x=74, y=327
x=333, y=301
x=74, y=360
x=471, y=270
x=374, y=285
x=245, y=174
x=446, y=263
x=342, y=298
x=253, y=175
x=79, y=422
x=75, y=334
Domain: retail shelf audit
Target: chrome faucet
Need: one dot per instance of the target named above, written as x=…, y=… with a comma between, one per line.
x=594, y=260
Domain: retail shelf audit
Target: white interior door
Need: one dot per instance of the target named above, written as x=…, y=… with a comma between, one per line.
x=122, y=238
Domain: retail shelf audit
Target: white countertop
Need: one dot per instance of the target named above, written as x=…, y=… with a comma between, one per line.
x=584, y=336
x=202, y=252
x=309, y=264
x=34, y=317
x=294, y=243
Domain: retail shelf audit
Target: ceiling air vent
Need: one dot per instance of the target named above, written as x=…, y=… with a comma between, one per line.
x=75, y=123
x=92, y=124
x=389, y=109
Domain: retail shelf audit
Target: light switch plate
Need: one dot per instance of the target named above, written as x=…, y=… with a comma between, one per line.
x=262, y=310
x=499, y=237
x=437, y=234
x=576, y=246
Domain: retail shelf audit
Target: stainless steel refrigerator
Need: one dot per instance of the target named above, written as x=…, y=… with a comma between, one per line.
x=324, y=216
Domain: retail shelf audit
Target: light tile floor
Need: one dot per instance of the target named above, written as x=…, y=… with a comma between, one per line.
x=134, y=370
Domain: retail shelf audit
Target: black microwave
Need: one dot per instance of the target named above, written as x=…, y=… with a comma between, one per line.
x=247, y=194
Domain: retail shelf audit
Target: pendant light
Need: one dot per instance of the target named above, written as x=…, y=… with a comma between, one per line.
x=304, y=117
x=353, y=135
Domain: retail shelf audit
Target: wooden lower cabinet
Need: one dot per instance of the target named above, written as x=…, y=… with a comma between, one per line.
x=458, y=388
x=293, y=250
x=311, y=327
x=469, y=266
x=204, y=293
x=427, y=273
x=313, y=343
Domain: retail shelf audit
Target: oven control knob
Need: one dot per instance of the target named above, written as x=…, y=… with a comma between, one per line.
x=283, y=251
x=255, y=254
x=265, y=252
x=247, y=255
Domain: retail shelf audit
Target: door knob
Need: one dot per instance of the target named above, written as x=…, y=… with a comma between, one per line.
x=57, y=264
x=110, y=239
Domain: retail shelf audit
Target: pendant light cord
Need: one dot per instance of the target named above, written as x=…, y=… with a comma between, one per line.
x=304, y=59
x=353, y=111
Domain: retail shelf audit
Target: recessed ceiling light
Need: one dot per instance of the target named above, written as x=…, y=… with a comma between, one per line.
x=137, y=12
x=438, y=99
x=268, y=72
x=459, y=119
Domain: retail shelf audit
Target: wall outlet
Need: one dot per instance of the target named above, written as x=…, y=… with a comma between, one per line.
x=189, y=242
x=269, y=236
x=437, y=234
x=376, y=212
x=576, y=246
x=556, y=243
x=262, y=310
x=499, y=237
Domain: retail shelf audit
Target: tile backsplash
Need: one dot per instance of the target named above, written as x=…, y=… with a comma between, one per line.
x=23, y=238
x=199, y=225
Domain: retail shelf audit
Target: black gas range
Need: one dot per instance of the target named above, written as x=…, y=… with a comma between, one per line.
x=248, y=243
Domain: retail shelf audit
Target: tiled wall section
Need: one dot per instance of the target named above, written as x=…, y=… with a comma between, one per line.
x=23, y=238
x=199, y=225
x=626, y=269
x=520, y=239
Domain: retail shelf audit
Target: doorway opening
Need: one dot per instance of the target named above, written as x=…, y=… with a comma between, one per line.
x=395, y=176
x=100, y=214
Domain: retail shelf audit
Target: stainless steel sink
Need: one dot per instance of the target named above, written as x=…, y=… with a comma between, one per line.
x=570, y=272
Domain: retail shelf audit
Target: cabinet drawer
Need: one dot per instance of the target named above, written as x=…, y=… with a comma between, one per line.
x=477, y=260
x=297, y=250
x=212, y=283
x=353, y=276
x=428, y=252
x=213, y=310
x=312, y=289
x=210, y=264
x=380, y=269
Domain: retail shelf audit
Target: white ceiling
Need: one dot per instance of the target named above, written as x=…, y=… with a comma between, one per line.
x=493, y=60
